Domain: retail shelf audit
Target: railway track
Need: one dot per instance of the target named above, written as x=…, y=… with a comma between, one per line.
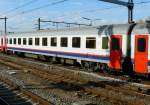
x=10, y=96
x=116, y=92
x=47, y=66
x=13, y=94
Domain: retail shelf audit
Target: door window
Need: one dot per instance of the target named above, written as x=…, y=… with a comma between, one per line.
x=115, y=44
x=141, y=45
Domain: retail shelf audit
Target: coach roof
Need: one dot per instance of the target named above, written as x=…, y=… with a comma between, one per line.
x=114, y=29
x=141, y=29
x=97, y=30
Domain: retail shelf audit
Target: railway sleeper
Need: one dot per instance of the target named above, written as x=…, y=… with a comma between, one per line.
x=5, y=92
x=8, y=94
x=22, y=103
x=17, y=101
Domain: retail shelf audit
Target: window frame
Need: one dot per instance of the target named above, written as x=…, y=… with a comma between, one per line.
x=141, y=48
x=7, y=40
x=78, y=44
x=15, y=41
x=24, y=41
x=63, y=43
x=44, y=43
x=10, y=41
x=55, y=40
x=30, y=44
x=106, y=45
x=37, y=44
x=19, y=41
x=90, y=39
x=118, y=47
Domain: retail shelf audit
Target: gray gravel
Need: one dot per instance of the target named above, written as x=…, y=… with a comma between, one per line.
x=56, y=99
x=61, y=100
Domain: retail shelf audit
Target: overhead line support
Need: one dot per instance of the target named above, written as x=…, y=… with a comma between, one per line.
x=130, y=11
x=129, y=5
x=56, y=22
x=39, y=24
x=5, y=19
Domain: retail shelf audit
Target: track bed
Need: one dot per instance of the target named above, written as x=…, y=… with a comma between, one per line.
x=63, y=86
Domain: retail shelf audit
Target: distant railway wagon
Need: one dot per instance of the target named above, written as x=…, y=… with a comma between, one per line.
x=118, y=47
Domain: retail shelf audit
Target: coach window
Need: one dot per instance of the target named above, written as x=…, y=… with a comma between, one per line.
x=91, y=42
x=10, y=41
x=76, y=42
x=19, y=41
x=24, y=41
x=37, y=41
x=7, y=40
x=141, y=44
x=44, y=41
x=105, y=42
x=1, y=40
x=14, y=40
x=64, y=42
x=53, y=41
x=30, y=41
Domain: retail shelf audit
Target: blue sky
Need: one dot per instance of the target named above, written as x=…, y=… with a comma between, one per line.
x=69, y=11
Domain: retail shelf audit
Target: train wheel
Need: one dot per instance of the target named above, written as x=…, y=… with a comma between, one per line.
x=93, y=66
x=58, y=60
x=105, y=68
x=85, y=65
x=20, y=54
x=47, y=58
x=98, y=67
x=9, y=52
x=63, y=61
x=89, y=66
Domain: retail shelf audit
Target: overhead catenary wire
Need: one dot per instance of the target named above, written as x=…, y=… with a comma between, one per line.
x=143, y=2
x=109, y=8
x=40, y=7
x=58, y=2
x=34, y=9
x=20, y=6
x=61, y=1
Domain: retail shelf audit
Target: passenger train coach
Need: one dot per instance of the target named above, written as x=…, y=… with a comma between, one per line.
x=120, y=47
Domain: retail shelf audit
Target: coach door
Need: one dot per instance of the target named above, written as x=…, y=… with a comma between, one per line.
x=115, y=52
x=141, y=54
x=1, y=43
